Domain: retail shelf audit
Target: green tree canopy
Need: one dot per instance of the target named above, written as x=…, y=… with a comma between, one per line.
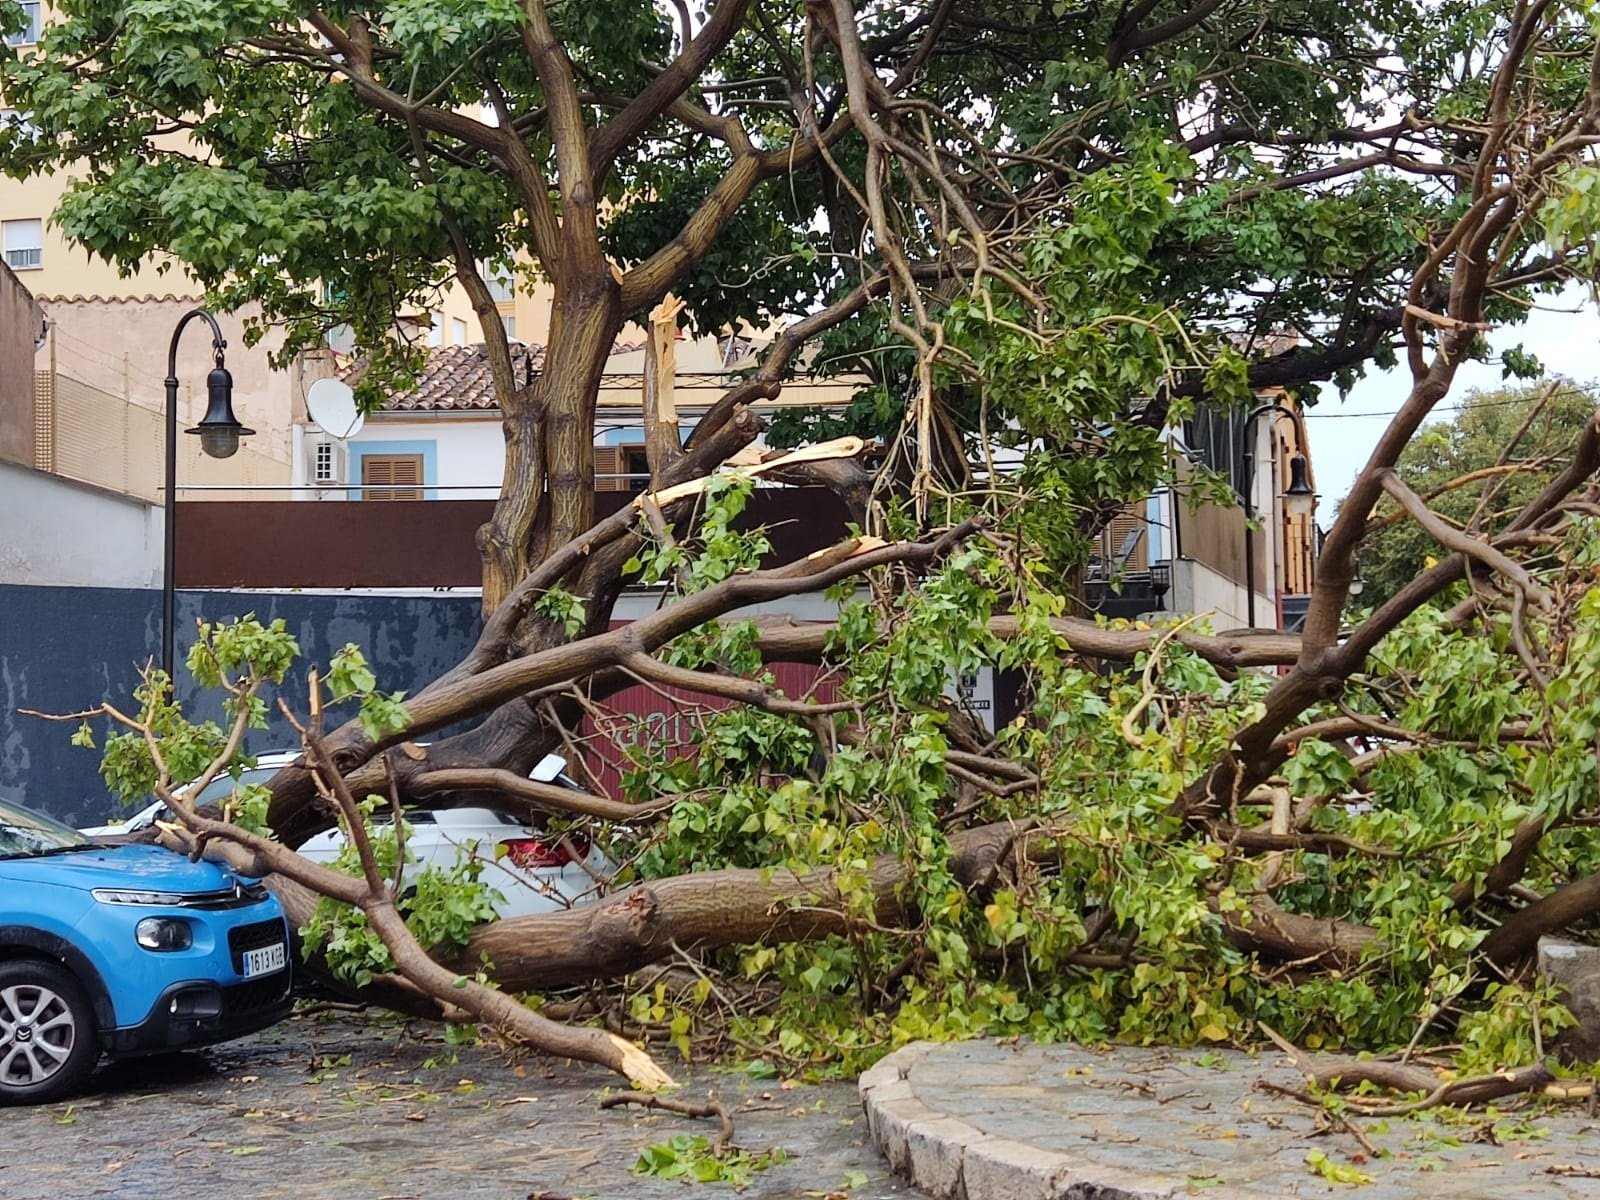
x=1060, y=224
x=1505, y=444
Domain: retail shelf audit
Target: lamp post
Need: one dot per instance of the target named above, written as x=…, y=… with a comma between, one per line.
x=1160, y=581
x=219, y=431
x=1298, y=498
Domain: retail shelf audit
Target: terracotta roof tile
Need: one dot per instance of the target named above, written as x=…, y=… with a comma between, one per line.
x=96, y=298
x=457, y=378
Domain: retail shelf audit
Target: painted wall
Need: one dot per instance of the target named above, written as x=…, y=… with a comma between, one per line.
x=66, y=269
x=55, y=531
x=1196, y=588
x=120, y=347
x=64, y=649
x=462, y=459
x=20, y=319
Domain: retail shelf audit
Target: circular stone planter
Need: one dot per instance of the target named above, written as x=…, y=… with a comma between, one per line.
x=1017, y=1121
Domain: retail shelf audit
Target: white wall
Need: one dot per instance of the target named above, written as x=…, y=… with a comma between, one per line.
x=58, y=532
x=1196, y=588
x=465, y=461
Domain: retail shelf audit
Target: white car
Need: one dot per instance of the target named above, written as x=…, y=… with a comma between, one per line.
x=531, y=871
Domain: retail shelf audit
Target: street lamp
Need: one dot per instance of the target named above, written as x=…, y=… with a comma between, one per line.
x=1160, y=581
x=1358, y=584
x=219, y=431
x=1298, y=500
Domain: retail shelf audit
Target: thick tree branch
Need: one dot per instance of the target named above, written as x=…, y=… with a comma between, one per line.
x=1463, y=543
x=726, y=18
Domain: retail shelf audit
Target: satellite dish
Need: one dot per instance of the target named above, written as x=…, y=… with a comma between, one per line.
x=332, y=405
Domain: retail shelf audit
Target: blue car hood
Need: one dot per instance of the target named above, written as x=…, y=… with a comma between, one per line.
x=120, y=867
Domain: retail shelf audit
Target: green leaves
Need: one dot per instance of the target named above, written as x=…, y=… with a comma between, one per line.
x=690, y=1157
x=381, y=714
x=348, y=673
x=1335, y=1172
x=232, y=649
x=1318, y=769
x=561, y=608
x=1571, y=214
x=441, y=906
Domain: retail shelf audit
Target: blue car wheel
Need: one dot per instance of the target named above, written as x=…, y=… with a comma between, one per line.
x=48, y=1040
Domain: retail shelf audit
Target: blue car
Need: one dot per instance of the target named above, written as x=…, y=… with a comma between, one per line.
x=123, y=950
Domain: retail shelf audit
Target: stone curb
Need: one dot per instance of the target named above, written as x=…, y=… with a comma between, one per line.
x=952, y=1160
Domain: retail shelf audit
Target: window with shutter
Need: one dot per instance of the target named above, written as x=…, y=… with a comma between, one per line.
x=1127, y=542
x=391, y=477
x=636, y=466
x=608, y=470
x=29, y=34
x=24, y=243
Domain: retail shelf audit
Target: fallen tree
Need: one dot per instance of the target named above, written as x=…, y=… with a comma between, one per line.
x=1167, y=842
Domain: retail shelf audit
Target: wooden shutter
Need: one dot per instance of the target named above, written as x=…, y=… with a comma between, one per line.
x=391, y=477
x=1123, y=526
x=608, y=462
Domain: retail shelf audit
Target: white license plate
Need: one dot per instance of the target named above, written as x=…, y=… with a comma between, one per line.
x=265, y=960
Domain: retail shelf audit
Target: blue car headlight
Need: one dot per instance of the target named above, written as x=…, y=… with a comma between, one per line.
x=164, y=934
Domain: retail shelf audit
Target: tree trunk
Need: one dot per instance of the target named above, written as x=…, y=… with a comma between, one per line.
x=703, y=910
x=547, y=491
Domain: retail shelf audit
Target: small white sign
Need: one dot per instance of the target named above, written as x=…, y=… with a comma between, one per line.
x=974, y=692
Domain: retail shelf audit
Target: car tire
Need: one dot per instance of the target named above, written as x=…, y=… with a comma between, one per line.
x=49, y=1042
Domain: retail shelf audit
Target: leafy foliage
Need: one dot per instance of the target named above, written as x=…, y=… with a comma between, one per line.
x=690, y=1157
x=763, y=791
x=1471, y=441
x=441, y=905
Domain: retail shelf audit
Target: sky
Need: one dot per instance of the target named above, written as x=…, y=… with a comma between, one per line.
x=1564, y=334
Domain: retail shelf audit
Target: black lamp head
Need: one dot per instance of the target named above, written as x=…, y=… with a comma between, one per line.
x=219, y=429
x=1161, y=576
x=1298, y=498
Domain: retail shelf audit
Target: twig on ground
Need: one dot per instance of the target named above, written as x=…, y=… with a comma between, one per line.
x=684, y=1108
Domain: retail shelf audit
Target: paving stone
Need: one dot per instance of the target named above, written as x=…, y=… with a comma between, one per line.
x=1059, y=1122
x=934, y=1151
x=282, y=1116
x=1001, y=1169
x=891, y=1125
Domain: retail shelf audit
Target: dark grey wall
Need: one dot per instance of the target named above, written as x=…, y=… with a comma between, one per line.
x=64, y=649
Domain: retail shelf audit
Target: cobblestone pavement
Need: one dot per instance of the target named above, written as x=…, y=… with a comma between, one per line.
x=1001, y=1121
x=334, y=1106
